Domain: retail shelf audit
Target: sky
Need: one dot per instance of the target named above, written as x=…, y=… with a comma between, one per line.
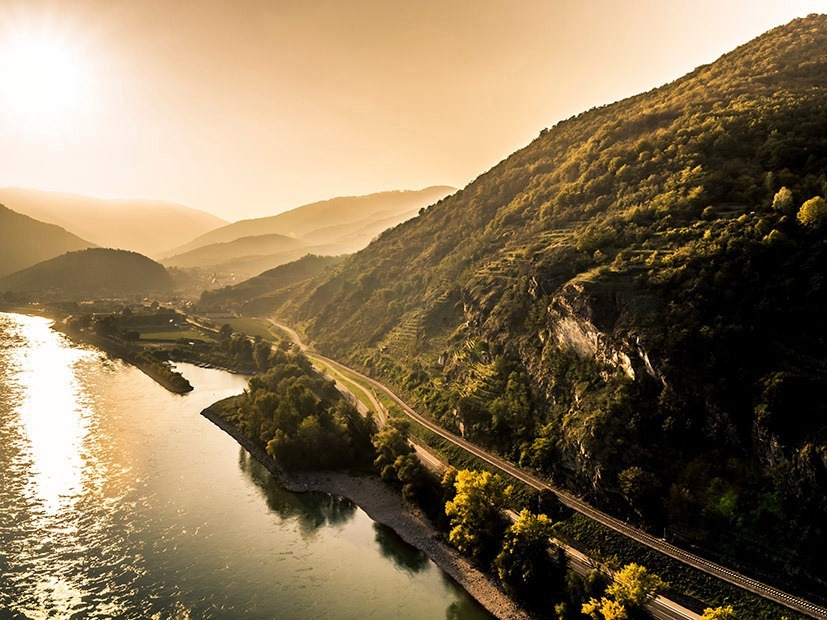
x=246, y=108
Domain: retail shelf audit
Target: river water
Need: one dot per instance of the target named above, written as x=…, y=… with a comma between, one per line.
x=118, y=500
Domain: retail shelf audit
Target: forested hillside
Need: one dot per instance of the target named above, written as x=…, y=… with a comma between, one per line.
x=269, y=289
x=217, y=255
x=94, y=272
x=633, y=305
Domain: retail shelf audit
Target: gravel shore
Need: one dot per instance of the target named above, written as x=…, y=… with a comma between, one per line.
x=387, y=507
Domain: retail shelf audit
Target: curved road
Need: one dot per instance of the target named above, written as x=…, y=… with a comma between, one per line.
x=716, y=570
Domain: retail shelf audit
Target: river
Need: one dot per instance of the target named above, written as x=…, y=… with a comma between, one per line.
x=118, y=500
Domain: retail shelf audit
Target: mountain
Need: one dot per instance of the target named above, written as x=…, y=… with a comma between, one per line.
x=93, y=272
x=351, y=220
x=632, y=305
x=269, y=289
x=25, y=241
x=145, y=226
x=214, y=254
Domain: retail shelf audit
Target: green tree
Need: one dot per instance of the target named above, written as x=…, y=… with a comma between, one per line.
x=131, y=335
x=411, y=475
x=477, y=520
x=241, y=348
x=261, y=355
x=640, y=486
x=605, y=609
x=391, y=443
x=635, y=586
x=813, y=213
x=524, y=565
x=783, y=201
x=360, y=429
x=719, y=613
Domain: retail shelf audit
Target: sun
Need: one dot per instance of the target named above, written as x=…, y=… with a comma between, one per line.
x=43, y=82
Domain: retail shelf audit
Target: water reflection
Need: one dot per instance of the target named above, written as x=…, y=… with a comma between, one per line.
x=53, y=412
x=464, y=609
x=311, y=510
x=117, y=500
x=391, y=546
x=44, y=462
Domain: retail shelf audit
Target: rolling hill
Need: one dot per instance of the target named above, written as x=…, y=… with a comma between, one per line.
x=269, y=289
x=25, y=241
x=93, y=272
x=145, y=226
x=346, y=224
x=633, y=304
x=217, y=254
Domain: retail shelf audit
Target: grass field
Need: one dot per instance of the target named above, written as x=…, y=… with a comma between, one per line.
x=253, y=327
x=176, y=334
x=351, y=382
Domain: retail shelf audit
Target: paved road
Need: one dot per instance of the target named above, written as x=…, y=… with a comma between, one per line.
x=721, y=572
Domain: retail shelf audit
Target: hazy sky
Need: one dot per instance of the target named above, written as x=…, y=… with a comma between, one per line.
x=250, y=107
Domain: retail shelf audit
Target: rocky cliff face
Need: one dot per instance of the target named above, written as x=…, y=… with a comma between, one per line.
x=573, y=318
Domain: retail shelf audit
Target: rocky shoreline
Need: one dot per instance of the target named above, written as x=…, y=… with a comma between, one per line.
x=387, y=507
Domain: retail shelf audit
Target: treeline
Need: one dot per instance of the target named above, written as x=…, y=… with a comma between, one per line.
x=159, y=369
x=299, y=417
x=471, y=509
x=304, y=423
x=232, y=350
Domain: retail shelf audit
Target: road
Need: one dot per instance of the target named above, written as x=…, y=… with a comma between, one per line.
x=721, y=572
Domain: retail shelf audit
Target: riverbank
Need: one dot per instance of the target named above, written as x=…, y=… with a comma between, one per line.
x=387, y=507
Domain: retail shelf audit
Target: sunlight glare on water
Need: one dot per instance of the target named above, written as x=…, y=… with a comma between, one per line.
x=54, y=415
x=52, y=412
x=118, y=500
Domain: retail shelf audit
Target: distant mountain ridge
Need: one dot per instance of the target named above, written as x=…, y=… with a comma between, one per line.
x=25, y=241
x=348, y=223
x=216, y=254
x=145, y=226
x=91, y=272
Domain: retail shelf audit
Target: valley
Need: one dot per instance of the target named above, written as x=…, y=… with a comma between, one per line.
x=595, y=375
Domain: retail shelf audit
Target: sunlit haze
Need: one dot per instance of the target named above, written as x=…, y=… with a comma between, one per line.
x=249, y=108
x=44, y=84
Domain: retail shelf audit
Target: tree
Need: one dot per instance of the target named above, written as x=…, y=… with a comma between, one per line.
x=241, y=348
x=813, y=213
x=605, y=609
x=783, y=201
x=639, y=486
x=411, y=475
x=635, y=586
x=524, y=564
x=391, y=443
x=360, y=429
x=477, y=521
x=261, y=354
x=131, y=335
x=225, y=332
x=719, y=613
